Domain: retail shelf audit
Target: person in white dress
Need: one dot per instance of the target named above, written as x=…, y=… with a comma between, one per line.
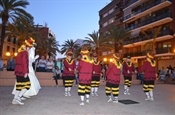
x=35, y=85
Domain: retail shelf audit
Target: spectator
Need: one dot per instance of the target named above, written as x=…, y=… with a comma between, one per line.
x=59, y=64
x=1, y=64
x=162, y=74
x=141, y=77
x=42, y=64
x=173, y=75
x=11, y=64
x=56, y=74
x=168, y=73
x=49, y=65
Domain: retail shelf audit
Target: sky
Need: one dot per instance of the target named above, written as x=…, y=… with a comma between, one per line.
x=67, y=19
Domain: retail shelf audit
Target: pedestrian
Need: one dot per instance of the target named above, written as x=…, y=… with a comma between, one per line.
x=85, y=67
x=56, y=74
x=96, y=73
x=76, y=73
x=113, y=74
x=21, y=72
x=42, y=64
x=11, y=64
x=128, y=70
x=68, y=72
x=1, y=64
x=149, y=69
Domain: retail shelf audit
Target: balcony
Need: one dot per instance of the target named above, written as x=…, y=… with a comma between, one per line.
x=152, y=19
x=164, y=50
x=159, y=51
x=135, y=54
x=149, y=8
x=130, y=2
x=142, y=39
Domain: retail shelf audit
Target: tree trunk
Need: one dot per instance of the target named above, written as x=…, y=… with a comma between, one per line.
x=2, y=39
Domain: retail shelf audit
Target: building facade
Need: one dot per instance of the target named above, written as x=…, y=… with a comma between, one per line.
x=10, y=48
x=148, y=21
x=110, y=15
x=151, y=23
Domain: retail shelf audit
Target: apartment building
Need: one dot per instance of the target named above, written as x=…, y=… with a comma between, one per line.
x=10, y=48
x=143, y=18
x=110, y=15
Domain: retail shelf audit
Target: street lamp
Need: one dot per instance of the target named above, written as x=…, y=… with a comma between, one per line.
x=7, y=54
x=110, y=59
x=105, y=59
x=15, y=54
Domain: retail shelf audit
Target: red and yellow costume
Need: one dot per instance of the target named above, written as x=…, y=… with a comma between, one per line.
x=68, y=72
x=96, y=73
x=113, y=78
x=21, y=68
x=85, y=68
x=149, y=69
x=128, y=69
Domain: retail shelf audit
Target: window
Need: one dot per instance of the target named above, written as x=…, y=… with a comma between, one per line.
x=111, y=20
x=13, y=50
x=8, y=48
x=9, y=39
x=105, y=24
x=112, y=10
x=105, y=15
x=14, y=40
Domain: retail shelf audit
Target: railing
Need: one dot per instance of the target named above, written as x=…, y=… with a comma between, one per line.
x=164, y=50
x=144, y=8
x=130, y=2
x=134, y=54
x=143, y=53
x=150, y=20
x=142, y=37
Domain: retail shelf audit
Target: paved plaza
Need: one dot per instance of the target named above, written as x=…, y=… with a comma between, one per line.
x=51, y=101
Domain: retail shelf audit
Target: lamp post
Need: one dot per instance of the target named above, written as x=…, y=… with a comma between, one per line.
x=15, y=54
x=7, y=54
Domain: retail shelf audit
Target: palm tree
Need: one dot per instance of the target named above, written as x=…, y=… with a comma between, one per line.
x=11, y=10
x=47, y=47
x=150, y=46
x=117, y=35
x=21, y=30
x=69, y=44
x=96, y=42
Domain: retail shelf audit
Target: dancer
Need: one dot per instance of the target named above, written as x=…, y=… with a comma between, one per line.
x=128, y=69
x=96, y=73
x=149, y=69
x=68, y=72
x=113, y=78
x=35, y=85
x=85, y=75
x=21, y=72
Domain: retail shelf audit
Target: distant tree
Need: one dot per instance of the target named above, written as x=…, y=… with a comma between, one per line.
x=96, y=42
x=150, y=46
x=10, y=11
x=116, y=35
x=69, y=44
x=47, y=47
x=21, y=30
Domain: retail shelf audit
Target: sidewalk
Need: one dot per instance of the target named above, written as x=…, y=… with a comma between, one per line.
x=51, y=101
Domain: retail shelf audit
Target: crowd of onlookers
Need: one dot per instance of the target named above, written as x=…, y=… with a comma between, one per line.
x=165, y=73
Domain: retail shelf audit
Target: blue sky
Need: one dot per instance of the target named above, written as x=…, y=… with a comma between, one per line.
x=68, y=19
